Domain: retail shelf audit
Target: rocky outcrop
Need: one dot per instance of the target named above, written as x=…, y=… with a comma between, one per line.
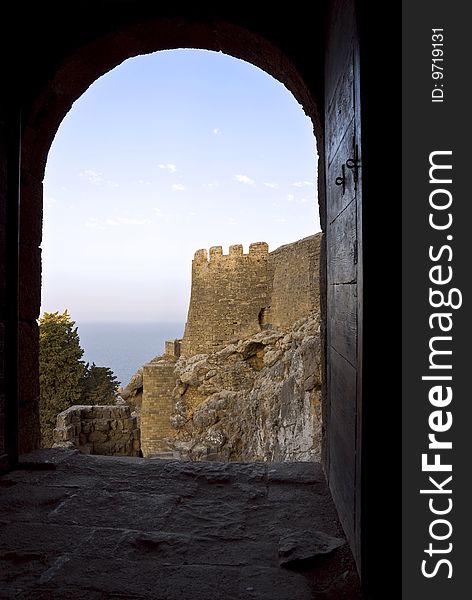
x=257, y=399
x=244, y=382
x=132, y=394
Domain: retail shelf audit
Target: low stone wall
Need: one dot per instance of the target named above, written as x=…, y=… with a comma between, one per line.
x=105, y=430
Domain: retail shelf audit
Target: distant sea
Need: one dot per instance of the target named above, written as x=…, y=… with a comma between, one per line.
x=124, y=347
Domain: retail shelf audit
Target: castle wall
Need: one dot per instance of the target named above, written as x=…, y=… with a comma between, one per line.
x=236, y=295
x=294, y=273
x=157, y=406
x=233, y=297
x=228, y=293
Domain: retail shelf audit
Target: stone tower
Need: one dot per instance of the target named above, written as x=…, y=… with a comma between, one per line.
x=229, y=291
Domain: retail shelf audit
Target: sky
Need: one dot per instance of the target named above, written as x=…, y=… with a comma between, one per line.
x=166, y=154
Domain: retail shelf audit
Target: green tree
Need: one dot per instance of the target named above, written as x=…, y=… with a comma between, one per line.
x=100, y=385
x=61, y=370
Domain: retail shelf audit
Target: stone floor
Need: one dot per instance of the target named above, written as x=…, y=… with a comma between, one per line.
x=75, y=526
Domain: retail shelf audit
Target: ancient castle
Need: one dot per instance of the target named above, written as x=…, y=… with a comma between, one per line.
x=233, y=296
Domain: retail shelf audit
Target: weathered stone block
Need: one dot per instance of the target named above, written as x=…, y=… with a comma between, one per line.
x=57, y=434
x=64, y=434
x=97, y=436
x=101, y=425
x=102, y=448
x=95, y=412
x=74, y=417
x=62, y=421
x=86, y=412
x=107, y=413
x=69, y=432
x=311, y=357
x=129, y=424
x=97, y=429
x=87, y=427
x=309, y=383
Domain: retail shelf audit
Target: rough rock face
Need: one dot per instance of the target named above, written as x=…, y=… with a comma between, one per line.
x=132, y=394
x=258, y=399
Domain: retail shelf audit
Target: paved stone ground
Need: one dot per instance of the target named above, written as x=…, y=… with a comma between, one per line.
x=75, y=526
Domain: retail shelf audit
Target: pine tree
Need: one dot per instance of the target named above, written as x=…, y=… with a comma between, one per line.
x=61, y=370
x=99, y=385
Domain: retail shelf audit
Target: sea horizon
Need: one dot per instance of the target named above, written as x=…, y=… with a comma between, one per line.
x=125, y=346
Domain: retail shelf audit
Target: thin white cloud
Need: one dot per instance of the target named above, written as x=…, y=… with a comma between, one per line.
x=93, y=176
x=144, y=182
x=93, y=223
x=232, y=221
x=290, y=197
x=178, y=187
x=217, y=131
x=112, y=222
x=96, y=178
x=211, y=185
x=168, y=167
x=273, y=186
x=303, y=200
x=244, y=179
x=302, y=183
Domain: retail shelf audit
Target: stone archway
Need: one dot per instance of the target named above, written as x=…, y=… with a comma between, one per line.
x=55, y=99
x=320, y=66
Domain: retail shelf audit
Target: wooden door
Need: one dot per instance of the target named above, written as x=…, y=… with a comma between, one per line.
x=344, y=267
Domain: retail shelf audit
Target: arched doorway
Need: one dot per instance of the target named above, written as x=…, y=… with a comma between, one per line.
x=52, y=104
x=90, y=53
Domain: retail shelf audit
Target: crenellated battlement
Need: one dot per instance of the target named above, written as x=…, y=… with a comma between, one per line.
x=215, y=253
x=238, y=294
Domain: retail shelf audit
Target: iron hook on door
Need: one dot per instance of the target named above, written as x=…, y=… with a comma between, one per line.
x=341, y=180
x=354, y=164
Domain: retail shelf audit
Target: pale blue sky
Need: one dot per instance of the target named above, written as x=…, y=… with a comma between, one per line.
x=166, y=154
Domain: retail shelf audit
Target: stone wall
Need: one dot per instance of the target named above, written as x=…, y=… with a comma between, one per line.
x=228, y=293
x=294, y=273
x=236, y=295
x=172, y=348
x=157, y=405
x=106, y=430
